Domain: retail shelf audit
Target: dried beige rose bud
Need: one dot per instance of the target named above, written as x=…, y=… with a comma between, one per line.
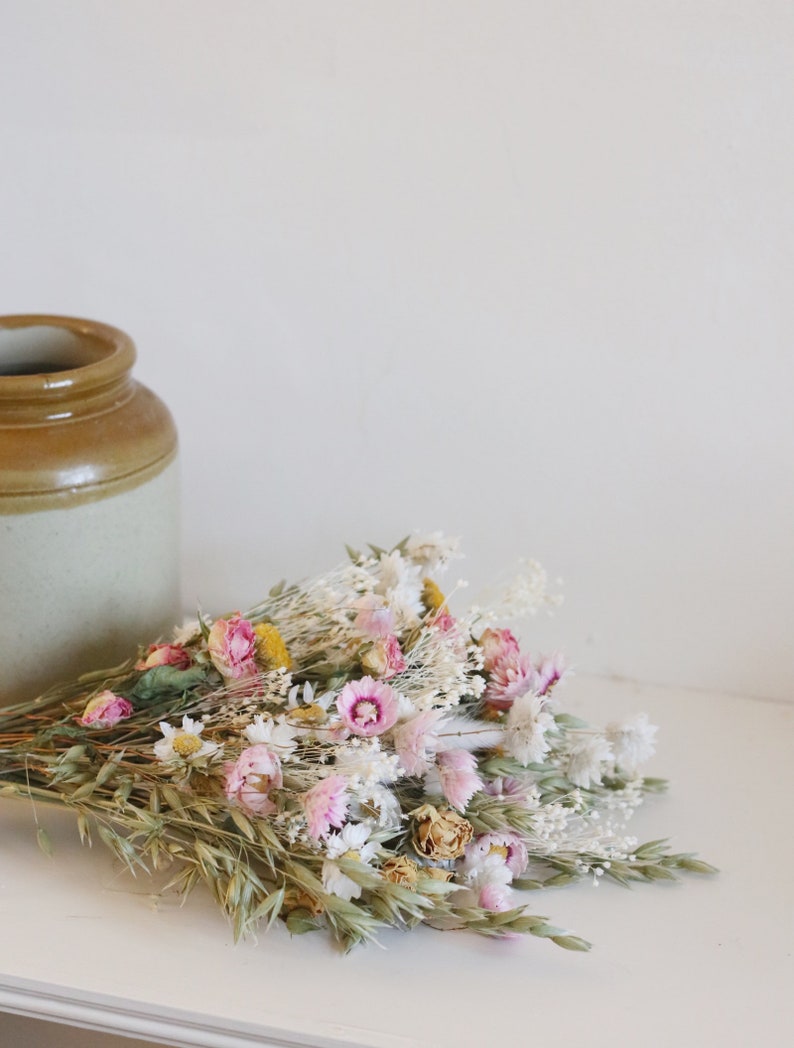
x=401, y=870
x=297, y=899
x=436, y=873
x=440, y=834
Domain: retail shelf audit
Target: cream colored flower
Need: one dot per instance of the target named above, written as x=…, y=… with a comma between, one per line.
x=440, y=834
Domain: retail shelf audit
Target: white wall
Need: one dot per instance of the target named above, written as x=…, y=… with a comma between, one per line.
x=517, y=270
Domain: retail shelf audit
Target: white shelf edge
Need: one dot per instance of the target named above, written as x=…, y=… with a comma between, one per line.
x=114, y=1015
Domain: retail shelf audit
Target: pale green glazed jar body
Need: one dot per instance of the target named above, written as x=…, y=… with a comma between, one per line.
x=89, y=504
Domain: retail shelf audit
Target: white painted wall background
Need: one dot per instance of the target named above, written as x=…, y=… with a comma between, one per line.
x=517, y=270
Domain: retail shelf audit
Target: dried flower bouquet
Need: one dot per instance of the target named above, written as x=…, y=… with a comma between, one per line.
x=347, y=755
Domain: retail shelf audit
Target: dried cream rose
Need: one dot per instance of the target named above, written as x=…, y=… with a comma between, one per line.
x=440, y=834
x=399, y=869
x=436, y=873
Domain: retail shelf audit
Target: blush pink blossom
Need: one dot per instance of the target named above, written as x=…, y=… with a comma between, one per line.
x=165, y=655
x=497, y=645
x=550, y=670
x=459, y=780
x=368, y=707
x=105, y=710
x=443, y=621
x=512, y=676
x=374, y=617
x=416, y=741
x=250, y=779
x=494, y=897
x=385, y=658
x=232, y=645
x=325, y=806
x=507, y=845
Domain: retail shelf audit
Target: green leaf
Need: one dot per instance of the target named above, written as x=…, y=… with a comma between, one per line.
x=161, y=681
x=83, y=791
x=44, y=842
x=301, y=921
x=242, y=823
x=571, y=942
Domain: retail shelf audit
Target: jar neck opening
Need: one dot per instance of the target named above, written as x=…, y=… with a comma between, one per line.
x=59, y=366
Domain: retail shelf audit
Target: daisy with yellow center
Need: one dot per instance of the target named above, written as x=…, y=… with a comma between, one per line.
x=184, y=745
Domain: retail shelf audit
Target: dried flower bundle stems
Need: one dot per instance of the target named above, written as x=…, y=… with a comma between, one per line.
x=347, y=755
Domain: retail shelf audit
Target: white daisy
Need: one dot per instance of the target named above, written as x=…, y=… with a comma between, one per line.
x=352, y=842
x=184, y=745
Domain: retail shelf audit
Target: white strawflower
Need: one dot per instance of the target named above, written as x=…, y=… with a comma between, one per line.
x=632, y=742
x=400, y=583
x=585, y=760
x=275, y=733
x=527, y=724
x=432, y=552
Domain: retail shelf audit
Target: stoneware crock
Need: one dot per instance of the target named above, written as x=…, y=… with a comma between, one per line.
x=89, y=504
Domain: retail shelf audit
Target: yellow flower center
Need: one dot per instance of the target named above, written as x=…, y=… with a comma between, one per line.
x=270, y=647
x=352, y=855
x=432, y=597
x=311, y=714
x=498, y=849
x=186, y=744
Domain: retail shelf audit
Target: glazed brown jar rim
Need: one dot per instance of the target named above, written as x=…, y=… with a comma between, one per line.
x=75, y=426
x=84, y=372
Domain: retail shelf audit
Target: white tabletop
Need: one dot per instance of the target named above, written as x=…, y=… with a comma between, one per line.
x=705, y=961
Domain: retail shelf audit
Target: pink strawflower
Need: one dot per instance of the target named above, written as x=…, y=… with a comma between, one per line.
x=508, y=787
x=374, y=616
x=325, y=806
x=508, y=846
x=416, y=741
x=494, y=897
x=443, y=621
x=368, y=707
x=165, y=655
x=385, y=658
x=232, y=645
x=512, y=676
x=105, y=711
x=496, y=645
x=550, y=670
x=459, y=780
x=250, y=779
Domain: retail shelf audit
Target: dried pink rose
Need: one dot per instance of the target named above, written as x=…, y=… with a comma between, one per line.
x=385, y=658
x=367, y=707
x=496, y=645
x=165, y=655
x=232, y=647
x=250, y=779
x=325, y=806
x=105, y=710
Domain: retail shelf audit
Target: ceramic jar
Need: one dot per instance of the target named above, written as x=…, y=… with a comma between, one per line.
x=89, y=559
